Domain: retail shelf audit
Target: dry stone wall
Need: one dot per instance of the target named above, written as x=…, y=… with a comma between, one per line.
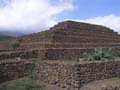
x=56, y=74
x=44, y=36
x=68, y=45
x=18, y=54
x=67, y=75
x=11, y=70
x=65, y=54
x=79, y=39
x=96, y=71
x=76, y=75
x=47, y=54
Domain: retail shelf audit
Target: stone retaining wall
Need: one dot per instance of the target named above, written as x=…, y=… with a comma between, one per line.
x=67, y=75
x=48, y=54
x=37, y=45
x=85, y=33
x=89, y=72
x=11, y=70
x=53, y=53
x=76, y=75
x=79, y=39
x=65, y=54
x=18, y=54
x=56, y=74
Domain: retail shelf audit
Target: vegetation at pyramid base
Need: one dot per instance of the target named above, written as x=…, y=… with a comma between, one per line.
x=29, y=83
x=26, y=84
x=14, y=45
x=99, y=54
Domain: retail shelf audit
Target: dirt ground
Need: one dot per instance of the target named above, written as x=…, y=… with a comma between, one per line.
x=51, y=87
x=96, y=85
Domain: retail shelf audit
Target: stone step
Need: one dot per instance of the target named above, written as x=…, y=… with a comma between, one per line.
x=52, y=53
x=45, y=36
x=35, y=39
x=95, y=30
x=30, y=54
x=43, y=33
x=16, y=54
x=107, y=32
x=61, y=35
x=66, y=53
x=67, y=45
x=72, y=24
x=10, y=50
x=79, y=39
x=13, y=61
x=73, y=39
x=113, y=35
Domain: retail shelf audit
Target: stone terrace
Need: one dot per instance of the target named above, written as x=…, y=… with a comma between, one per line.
x=69, y=40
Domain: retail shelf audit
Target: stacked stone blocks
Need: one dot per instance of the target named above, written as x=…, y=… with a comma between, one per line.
x=13, y=69
x=77, y=75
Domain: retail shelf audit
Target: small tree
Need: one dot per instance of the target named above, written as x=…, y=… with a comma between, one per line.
x=15, y=45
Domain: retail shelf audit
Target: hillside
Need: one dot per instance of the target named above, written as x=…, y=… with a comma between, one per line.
x=4, y=37
x=6, y=34
x=11, y=33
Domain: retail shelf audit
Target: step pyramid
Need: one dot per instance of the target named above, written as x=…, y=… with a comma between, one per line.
x=70, y=40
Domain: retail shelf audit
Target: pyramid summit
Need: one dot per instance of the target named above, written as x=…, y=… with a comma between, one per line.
x=70, y=40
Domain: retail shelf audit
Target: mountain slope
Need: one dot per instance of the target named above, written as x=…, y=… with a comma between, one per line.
x=4, y=37
x=11, y=33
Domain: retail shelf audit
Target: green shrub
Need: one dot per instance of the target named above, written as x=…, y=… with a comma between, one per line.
x=87, y=57
x=99, y=54
x=26, y=84
x=15, y=45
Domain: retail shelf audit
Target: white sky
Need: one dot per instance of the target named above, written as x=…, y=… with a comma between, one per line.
x=31, y=14
x=37, y=15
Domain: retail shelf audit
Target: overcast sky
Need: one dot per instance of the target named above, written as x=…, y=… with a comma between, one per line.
x=37, y=15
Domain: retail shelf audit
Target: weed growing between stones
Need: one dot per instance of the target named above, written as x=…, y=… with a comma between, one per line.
x=118, y=67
